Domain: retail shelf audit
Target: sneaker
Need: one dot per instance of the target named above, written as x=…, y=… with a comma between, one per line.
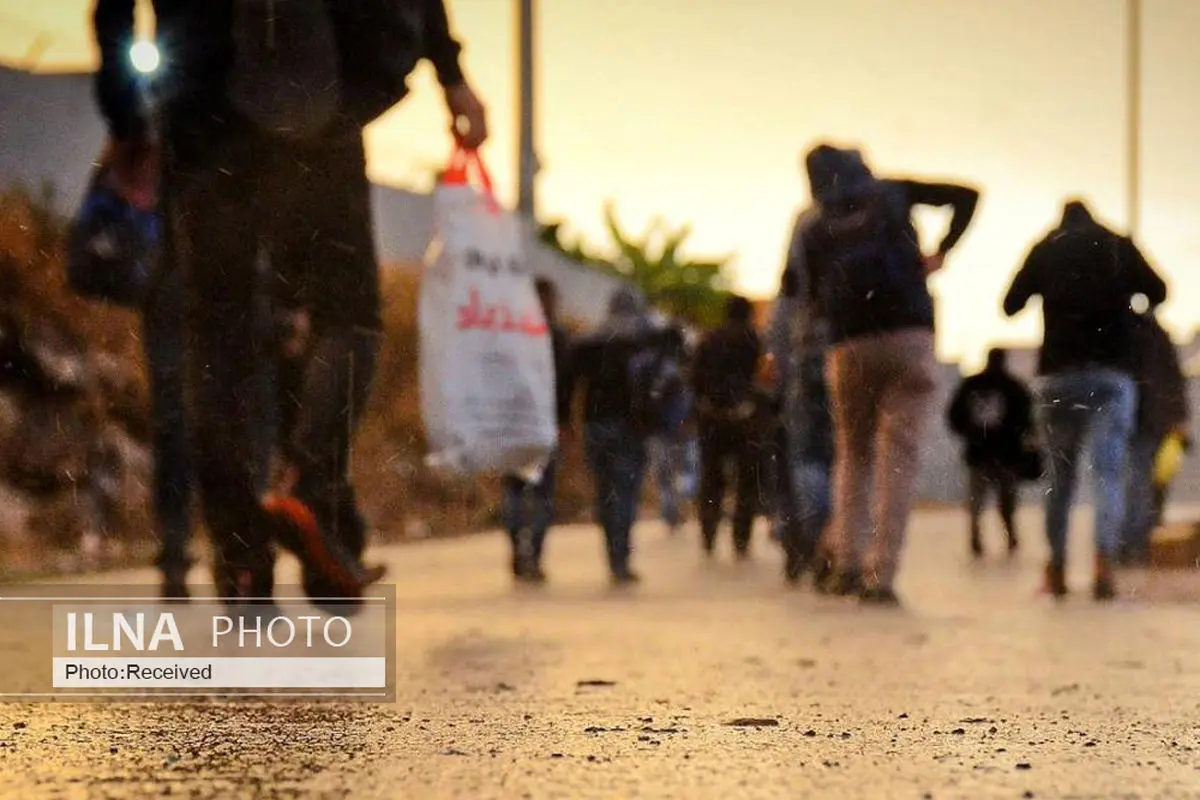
x=842, y=583
x=530, y=573
x=327, y=562
x=822, y=568
x=794, y=565
x=1056, y=580
x=976, y=546
x=626, y=577
x=883, y=596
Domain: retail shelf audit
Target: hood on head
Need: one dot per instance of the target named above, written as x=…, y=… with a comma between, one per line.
x=997, y=360
x=1075, y=214
x=837, y=176
x=627, y=301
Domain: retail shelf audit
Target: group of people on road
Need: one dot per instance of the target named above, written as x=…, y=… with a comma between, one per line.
x=821, y=418
x=254, y=154
x=859, y=361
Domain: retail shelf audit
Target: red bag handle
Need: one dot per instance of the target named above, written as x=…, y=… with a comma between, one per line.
x=458, y=173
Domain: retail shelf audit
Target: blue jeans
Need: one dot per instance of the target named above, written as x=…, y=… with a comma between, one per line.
x=617, y=457
x=666, y=455
x=528, y=530
x=1140, y=511
x=1097, y=405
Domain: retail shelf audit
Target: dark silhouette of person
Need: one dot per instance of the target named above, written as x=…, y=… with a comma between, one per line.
x=723, y=380
x=1087, y=276
x=992, y=412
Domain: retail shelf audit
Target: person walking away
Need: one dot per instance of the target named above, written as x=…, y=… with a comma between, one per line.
x=667, y=447
x=807, y=421
x=1087, y=276
x=992, y=412
x=864, y=260
x=1162, y=410
x=528, y=505
x=723, y=380
x=263, y=116
x=615, y=433
x=778, y=368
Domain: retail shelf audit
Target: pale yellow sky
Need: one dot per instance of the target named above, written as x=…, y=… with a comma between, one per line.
x=698, y=110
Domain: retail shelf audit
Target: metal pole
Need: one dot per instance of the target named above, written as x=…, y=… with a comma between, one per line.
x=526, y=151
x=1134, y=115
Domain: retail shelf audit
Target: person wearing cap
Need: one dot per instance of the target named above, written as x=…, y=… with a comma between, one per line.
x=1087, y=276
x=868, y=274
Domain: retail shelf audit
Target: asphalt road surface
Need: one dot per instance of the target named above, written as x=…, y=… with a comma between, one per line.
x=709, y=680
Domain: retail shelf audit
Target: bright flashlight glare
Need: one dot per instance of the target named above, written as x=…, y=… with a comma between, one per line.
x=145, y=57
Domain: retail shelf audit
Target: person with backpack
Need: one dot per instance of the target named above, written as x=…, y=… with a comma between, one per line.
x=992, y=412
x=1162, y=410
x=1087, y=276
x=724, y=371
x=528, y=504
x=867, y=271
x=263, y=109
x=616, y=368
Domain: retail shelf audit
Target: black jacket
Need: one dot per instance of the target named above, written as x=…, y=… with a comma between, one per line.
x=600, y=366
x=1086, y=276
x=992, y=412
x=1162, y=388
x=724, y=367
x=872, y=280
x=378, y=43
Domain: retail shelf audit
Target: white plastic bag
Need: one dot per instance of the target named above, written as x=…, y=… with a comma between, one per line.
x=487, y=366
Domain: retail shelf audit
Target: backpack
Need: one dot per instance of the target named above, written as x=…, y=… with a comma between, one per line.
x=659, y=400
x=286, y=72
x=862, y=258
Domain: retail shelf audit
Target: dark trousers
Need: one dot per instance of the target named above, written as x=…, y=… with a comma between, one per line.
x=617, y=457
x=163, y=340
x=725, y=446
x=529, y=511
x=233, y=195
x=982, y=480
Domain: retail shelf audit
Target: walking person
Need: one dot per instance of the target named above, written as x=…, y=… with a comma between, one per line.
x=724, y=371
x=667, y=447
x=778, y=375
x=609, y=366
x=1087, y=276
x=802, y=338
x=1162, y=410
x=263, y=114
x=528, y=504
x=992, y=412
x=865, y=265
